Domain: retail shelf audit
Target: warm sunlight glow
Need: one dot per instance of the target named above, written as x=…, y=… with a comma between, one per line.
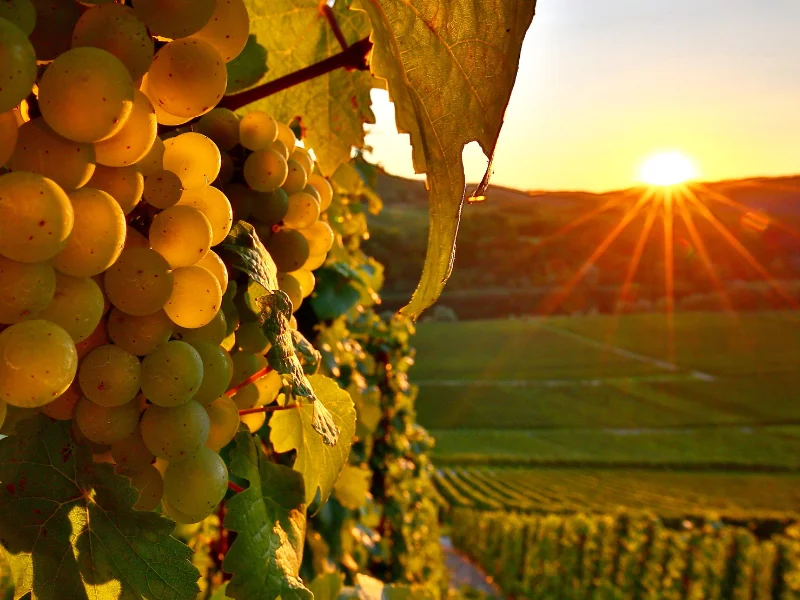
x=667, y=168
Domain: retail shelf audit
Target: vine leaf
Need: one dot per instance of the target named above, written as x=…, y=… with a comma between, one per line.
x=450, y=66
x=319, y=463
x=248, y=68
x=327, y=586
x=352, y=487
x=69, y=528
x=269, y=519
x=250, y=256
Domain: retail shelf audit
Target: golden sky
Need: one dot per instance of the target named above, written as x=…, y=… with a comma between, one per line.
x=602, y=85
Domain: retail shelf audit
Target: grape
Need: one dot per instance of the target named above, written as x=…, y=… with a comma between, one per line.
x=291, y=286
x=77, y=306
x=97, y=338
x=9, y=132
x=162, y=189
x=192, y=157
x=153, y=161
x=301, y=156
x=176, y=18
x=134, y=239
x=241, y=199
x=187, y=78
x=315, y=261
x=312, y=191
x=227, y=169
x=175, y=433
x=265, y=170
x=151, y=487
x=25, y=289
x=306, y=280
x=228, y=28
x=220, y=125
x=131, y=454
x=303, y=211
x=52, y=34
x=183, y=518
x=124, y=184
x=19, y=65
x=98, y=107
x=116, y=29
x=21, y=13
x=172, y=374
x=246, y=364
x=289, y=249
x=324, y=188
x=260, y=392
x=286, y=135
x=270, y=207
x=97, y=237
x=106, y=424
x=140, y=282
x=257, y=130
x=214, y=205
x=213, y=263
x=279, y=147
x=131, y=143
x=181, y=234
x=139, y=335
x=214, y=332
x=319, y=236
x=196, y=297
x=63, y=407
x=162, y=116
x=254, y=421
x=223, y=415
x=217, y=372
x=296, y=178
x=110, y=376
x=250, y=338
x=196, y=485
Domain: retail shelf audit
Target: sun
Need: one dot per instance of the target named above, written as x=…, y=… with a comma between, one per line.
x=667, y=168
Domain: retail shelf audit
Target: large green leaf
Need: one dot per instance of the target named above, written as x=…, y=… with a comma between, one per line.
x=70, y=530
x=352, y=487
x=269, y=519
x=318, y=462
x=450, y=66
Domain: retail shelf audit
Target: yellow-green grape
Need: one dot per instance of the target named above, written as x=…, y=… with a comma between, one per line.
x=312, y=191
x=241, y=199
x=303, y=211
x=279, y=147
x=212, y=262
x=52, y=34
x=228, y=28
x=134, y=239
x=257, y=130
x=183, y=518
x=41, y=150
x=214, y=205
x=260, y=392
x=21, y=13
x=97, y=237
x=131, y=143
x=223, y=415
x=196, y=485
x=289, y=249
x=162, y=116
x=172, y=374
x=246, y=364
x=301, y=156
x=306, y=280
x=153, y=161
x=254, y=421
x=139, y=335
x=176, y=432
x=151, y=487
x=319, y=236
x=214, y=332
x=162, y=189
x=227, y=169
x=97, y=108
x=25, y=289
x=181, y=234
x=187, y=78
x=323, y=188
x=124, y=184
x=77, y=306
x=265, y=170
x=295, y=179
x=270, y=207
x=217, y=372
x=63, y=407
x=9, y=132
x=220, y=125
x=19, y=65
x=36, y=217
x=110, y=376
x=250, y=338
x=106, y=424
x=196, y=297
x=315, y=261
x=140, y=282
x=176, y=18
x=116, y=29
x=289, y=284
x=192, y=157
x=131, y=454
x=98, y=337
x=286, y=135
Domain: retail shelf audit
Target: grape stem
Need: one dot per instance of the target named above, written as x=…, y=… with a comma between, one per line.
x=327, y=10
x=236, y=488
x=265, y=409
x=254, y=377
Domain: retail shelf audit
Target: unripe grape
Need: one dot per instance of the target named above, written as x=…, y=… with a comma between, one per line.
x=181, y=234
x=279, y=147
x=19, y=65
x=303, y=211
x=174, y=19
x=77, y=306
x=319, y=236
x=215, y=207
x=227, y=29
x=295, y=179
x=213, y=263
x=214, y=332
x=124, y=184
x=324, y=188
x=223, y=415
x=175, y=433
x=151, y=487
x=192, y=157
x=106, y=424
x=306, y=280
x=257, y=130
x=315, y=261
x=110, y=376
x=162, y=189
x=217, y=372
x=21, y=13
x=265, y=170
x=221, y=126
x=172, y=374
x=301, y=156
x=291, y=286
x=139, y=335
x=140, y=282
x=131, y=143
x=26, y=289
x=196, y=297
x=196, y=485
x=289, y=249
x=250, y=338
x=286, y=136
x=270, y=207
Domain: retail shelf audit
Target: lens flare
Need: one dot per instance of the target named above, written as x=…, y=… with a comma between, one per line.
x=667, y=168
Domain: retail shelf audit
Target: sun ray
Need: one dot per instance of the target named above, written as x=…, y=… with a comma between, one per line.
x=669, y=272
x=580, y=220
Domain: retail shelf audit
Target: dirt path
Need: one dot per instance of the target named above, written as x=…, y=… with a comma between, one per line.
x=465, y=572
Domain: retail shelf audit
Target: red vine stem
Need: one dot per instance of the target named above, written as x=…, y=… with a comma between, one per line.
x=254, y=377
x=265, y=409
x=236, y=488
x=337, y=31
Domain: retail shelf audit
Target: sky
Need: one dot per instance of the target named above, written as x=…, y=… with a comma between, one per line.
x=602, y=85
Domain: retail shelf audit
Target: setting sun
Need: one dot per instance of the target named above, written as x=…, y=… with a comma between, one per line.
x=667, y=168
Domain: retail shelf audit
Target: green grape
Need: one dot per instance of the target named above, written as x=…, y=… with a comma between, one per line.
x=175, y=433
x=303, y=211
x=124, y=184
x=52, y=34
x=110, y=376
x=21, y=13
x=319, y=236
x=306, y=280
x=153, y=161
x=228, y=342
x=296, y=178
x=196, y=485
x=286, y=136
x=38, y=361
x=250, y=338
x=217, y=372
x=172, y=374
x=139, y=335
x=246, y=364
x=315, y=261
x=227, y=169
x=19, y=65
x=257, y=130
x=181, y=234
x=162, y=189
x=97, y=108
x=241, y=199
x=192, y=157
x=41, y=150
x=301, y=156
x=184, y=518
x=63, y=407
x=187, y=78
x=289, y=249
x=265, y=170
x=140, y=282
x=196, y=297
x=312, y=191
x=212, y=262
x=254, y=421
x=77, y=306
x=221, y=126
x=223, y=415
x=260, y=392
x=289, y=284
x=98, y=337
x=131, y=143
x=131, y=453
x=106, y=424
x=25, y=289
x=174, y=19
x=214, y=332
x=228, y=28
x=9, y=133
x=323, y=188
x=279, y=147
x=151, y=487
x=270, y=207
x=98, y=235
x=116, y=29
x=214, y=205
